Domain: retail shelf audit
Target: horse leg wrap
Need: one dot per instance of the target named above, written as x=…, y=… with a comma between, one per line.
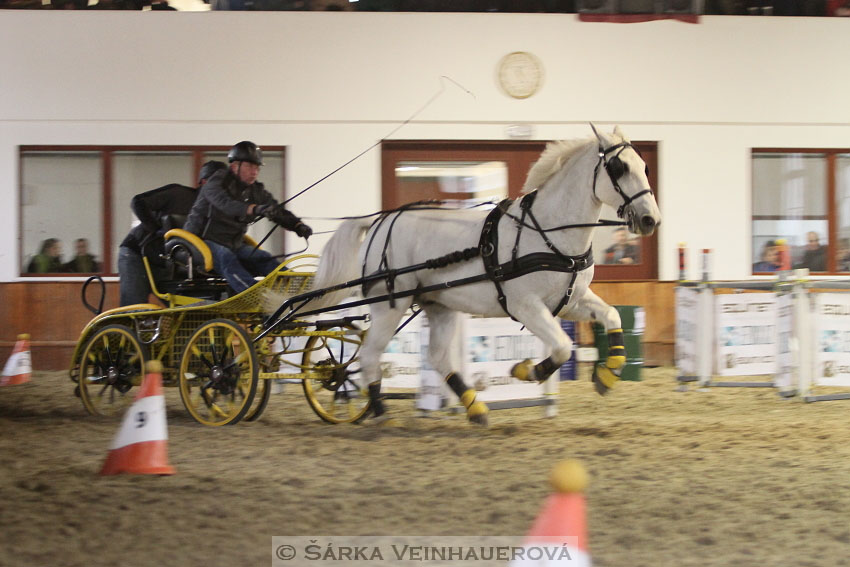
x=476, y=411
x=378, y=408
x=540, y=372
x=544, y=369
x=604, y=378
x=616, y=349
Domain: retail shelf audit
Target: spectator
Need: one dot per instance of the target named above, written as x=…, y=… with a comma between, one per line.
x=170, y=201
x=49, y=259
x=769, y=258
x=843, y=258
x=83, y=262
x=227, y=204
x=814, y=256
x=622, y=251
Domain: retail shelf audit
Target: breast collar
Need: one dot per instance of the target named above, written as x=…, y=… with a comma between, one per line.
x=517, y=266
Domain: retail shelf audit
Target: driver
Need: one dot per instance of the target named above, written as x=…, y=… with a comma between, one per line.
x=230, y=201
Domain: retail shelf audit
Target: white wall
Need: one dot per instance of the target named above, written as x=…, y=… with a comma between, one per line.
x=328, y=85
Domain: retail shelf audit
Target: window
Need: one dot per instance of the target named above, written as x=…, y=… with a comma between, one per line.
x=801, y=210
x=469, y=172
x=76, y=200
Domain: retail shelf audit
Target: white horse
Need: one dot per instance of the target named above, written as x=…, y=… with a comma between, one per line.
x=535, y=273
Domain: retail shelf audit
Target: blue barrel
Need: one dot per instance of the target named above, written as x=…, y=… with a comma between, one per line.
x=568, y=369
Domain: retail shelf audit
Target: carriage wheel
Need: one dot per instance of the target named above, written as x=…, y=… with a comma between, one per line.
x=261, y=400
x=329, y=362
x=112, y=364
x=218, y=373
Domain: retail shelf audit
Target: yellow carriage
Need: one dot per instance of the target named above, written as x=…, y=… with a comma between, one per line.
x=209, y=349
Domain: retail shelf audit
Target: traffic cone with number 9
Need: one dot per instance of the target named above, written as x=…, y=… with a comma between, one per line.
x=141, y=444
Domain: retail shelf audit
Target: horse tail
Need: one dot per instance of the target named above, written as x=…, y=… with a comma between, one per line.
x=339, y=263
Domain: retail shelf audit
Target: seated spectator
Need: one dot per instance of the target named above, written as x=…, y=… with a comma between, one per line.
x=769, y=258
x=814, y=256
x=622, y=251
x=83, y=262
x=49, y=259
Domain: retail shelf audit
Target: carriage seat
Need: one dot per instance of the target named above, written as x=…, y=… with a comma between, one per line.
x=191, y=258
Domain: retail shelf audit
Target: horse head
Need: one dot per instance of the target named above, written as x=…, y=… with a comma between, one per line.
x=620, y=181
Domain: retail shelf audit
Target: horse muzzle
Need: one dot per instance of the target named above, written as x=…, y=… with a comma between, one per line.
x=642, y=224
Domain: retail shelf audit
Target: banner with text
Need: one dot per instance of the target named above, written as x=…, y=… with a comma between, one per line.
x=746, y=334
x=832, y=339
x=687, y=301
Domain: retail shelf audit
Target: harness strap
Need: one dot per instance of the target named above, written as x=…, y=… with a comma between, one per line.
x=518, y=266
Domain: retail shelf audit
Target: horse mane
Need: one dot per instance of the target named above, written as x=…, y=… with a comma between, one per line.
x=553, y=158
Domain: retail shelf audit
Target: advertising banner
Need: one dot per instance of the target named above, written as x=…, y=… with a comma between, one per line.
x=784, y=379
x=687, y=300
x=832, y=339
x=491, y=348
x=746, y=334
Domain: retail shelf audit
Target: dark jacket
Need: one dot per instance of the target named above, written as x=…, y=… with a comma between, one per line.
x=220, y=213
x=171, y=200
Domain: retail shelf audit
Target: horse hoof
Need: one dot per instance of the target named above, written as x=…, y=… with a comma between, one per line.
x=616, y=361
x=523, y=370
x=477, y=414
x=603, y=379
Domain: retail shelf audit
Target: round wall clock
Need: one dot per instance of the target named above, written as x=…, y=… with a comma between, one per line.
x=520, y=74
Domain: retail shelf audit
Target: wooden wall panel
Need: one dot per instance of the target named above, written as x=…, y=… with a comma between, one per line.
x=53, y=315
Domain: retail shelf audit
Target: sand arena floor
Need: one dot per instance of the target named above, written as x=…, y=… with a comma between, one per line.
x=729, y=477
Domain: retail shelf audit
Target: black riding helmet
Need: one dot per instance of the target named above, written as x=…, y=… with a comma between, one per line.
x=246, y=151
x=209, y=168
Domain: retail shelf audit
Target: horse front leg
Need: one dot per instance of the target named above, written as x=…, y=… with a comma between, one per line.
x=590, y=307
x=445, y=358
x=534, y=314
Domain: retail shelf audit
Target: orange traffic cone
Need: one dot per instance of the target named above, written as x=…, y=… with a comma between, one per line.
x=18, y=369
x=559, y=534
x=140, y=446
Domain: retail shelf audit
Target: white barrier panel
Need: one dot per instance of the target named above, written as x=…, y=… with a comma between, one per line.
x=687, y=302
x=491, y=348
x=746, y=334
x=401, y=363
x=832, y=339
x=787, y=358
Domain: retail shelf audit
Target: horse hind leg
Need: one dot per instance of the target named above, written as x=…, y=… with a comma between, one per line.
x=385, y=320
x=445, y=358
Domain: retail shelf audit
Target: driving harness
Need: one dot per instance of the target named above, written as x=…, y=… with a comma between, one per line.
x=517, y=266
x=488, y=244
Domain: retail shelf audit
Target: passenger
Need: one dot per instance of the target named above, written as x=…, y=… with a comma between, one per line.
x=227, y=204
x=147, y=236
x=49, y=258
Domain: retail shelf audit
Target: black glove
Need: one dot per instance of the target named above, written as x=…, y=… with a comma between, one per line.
x=264, y=210
x=303, y=230
x=284, y=218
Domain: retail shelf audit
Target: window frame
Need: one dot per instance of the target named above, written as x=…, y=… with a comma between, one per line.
x=831, y=210
x=108, y=263
x=519, y=155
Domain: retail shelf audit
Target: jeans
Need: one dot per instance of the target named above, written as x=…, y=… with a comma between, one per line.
x=240, y=266
x=134, y=285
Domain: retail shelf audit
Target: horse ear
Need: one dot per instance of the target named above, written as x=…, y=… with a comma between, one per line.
x=596, y=133
x=618, y=132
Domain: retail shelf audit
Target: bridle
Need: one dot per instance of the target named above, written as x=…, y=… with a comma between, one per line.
x=616, y=169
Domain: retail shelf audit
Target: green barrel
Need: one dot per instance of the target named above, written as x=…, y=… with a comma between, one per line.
x=633, y=319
